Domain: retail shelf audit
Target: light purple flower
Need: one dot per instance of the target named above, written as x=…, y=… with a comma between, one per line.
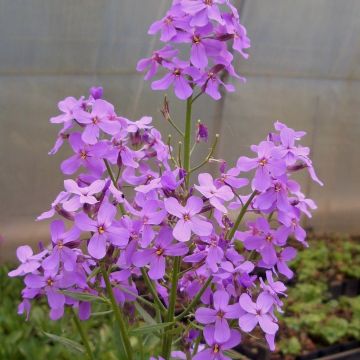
x=215, y=195
x=155, y=256
x=178, y=72
x=88, y=156
x=258, y=313
x=267, y=165
x=29, y=261
x=265, y=241
x=104, y=229
x=189, y=220
x=203, y=11
x=81, y=195
x=156, y=60
x=62, y=252
x=68, y=107
x=216, y=348
x=219, y=315
x=102, y=117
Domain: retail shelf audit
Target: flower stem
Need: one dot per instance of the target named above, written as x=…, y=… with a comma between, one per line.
x=195, y=300
x=112, y=177
x=241, y=215
x=152, y=290
x=83, y=335
x=167, y=341
x=118, y=315
x=187, y=139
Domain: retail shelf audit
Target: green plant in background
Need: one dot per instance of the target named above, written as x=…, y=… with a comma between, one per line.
x=311, y=314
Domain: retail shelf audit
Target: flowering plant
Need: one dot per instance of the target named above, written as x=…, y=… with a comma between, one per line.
x=134, y=233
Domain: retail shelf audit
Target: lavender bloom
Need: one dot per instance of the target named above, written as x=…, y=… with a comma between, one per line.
x=55, y=206
x=267, y=165
x=81, y=195
x=189, y=220
x=179, y=70
x=29, y=261
x=68, y=107
x=157, y=59
x=215, y=195
x=103, y=228
x=88, y=156
x=219, y=315
x=102, y=116
x=286, y=255
x=217, y=348
x=265, y=241
x=257, y=313
x=203, y=11
x=202, y=133
x=155, y=256
x=61, y=252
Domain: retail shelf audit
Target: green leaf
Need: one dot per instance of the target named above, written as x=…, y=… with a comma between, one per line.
x=69, y=344
x=150, y=328
x=84, y=297
x=144, y=314
x=235, y=355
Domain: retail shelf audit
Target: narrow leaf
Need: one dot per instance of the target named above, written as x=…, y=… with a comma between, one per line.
x=70, y=344
x=84, y=297
x=150, y=328
x=144, y=314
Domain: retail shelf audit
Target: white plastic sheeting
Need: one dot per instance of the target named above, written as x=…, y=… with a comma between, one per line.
x=304, y=70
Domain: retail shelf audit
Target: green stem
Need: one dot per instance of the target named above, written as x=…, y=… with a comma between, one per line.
x=195, y=300
x=167, y=341
x=211, y=153
x=241, y=215
x=118, y=315
x=83, y=335
x=172, y=123
x=112, y=177
x=152, y=290
x=187, y=139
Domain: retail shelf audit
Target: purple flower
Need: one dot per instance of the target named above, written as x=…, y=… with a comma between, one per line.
x=286, y=255
x=168, y=25
x=81, y=195
x=29, y=261
x=103, y=228
x=189, y=220
x=265, y=241
x=96, y=92
x=88, y=156
x=68, y=107
x=55, y=206
x=203, y=11
x=202, y=133
x=213, y=253
x=267, y=165
x=50, y=284
x=156, y=60
x=217, y=348
x=215, y=195
x=258, y=312
x=179, y=70
x=219, y=315
x=102, y=117
x=149, y=216
x=61, y=252
x=155, y=256
x=142, y=124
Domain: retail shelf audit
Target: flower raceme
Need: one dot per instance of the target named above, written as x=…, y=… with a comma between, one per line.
x=211, y=31
x=131, y=223
x=161, y=220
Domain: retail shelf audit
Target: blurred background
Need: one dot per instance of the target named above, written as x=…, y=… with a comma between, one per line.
x=304, y=69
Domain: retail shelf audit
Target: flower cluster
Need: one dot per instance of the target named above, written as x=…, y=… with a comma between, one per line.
x=130, y=227
x=211, y=31
x=129, y=207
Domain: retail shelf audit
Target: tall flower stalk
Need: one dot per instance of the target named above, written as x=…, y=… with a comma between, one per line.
x=195, y=262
